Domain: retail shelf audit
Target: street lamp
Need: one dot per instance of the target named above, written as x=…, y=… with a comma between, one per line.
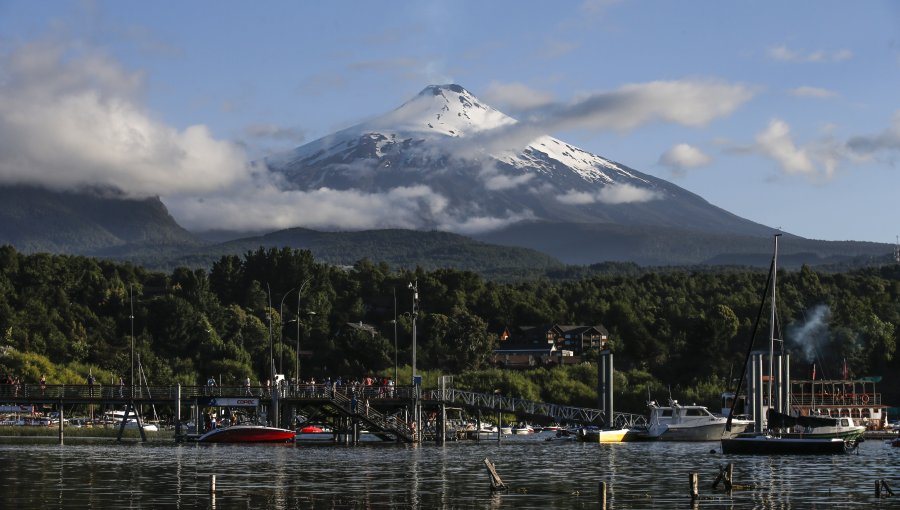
x=297, y=352
x=395, y=336
x=281, y=330
x=131, y=294
x=415, y=312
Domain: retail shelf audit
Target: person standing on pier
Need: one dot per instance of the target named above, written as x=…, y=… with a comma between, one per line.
x=247, y=386
x=90, y=383
x=211, y=385
x=43, y=384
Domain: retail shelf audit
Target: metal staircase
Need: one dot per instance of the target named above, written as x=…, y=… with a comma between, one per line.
x=387, y=427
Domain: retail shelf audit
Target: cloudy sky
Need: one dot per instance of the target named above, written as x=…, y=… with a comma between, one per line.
x=785, y=113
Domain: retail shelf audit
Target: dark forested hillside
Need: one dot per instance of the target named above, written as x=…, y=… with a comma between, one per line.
x=65, y=315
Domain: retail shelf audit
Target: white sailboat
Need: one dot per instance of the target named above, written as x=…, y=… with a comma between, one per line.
x=768, y=439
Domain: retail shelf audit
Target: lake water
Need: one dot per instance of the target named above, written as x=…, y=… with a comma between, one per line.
x=105, y=474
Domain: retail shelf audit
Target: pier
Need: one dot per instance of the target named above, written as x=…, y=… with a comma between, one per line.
x=385, y=411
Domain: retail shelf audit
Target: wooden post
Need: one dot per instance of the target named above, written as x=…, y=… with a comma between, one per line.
x=62, y=419
x=178, y=412
x=877, y=488
x=478, y=426
x=729, y=476
x=212, y=492
x=496, y=483
x=602, y=495
x=499, y=424
x=695, y=486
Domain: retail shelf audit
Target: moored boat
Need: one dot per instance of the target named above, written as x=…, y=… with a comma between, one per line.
x=769, y=437
x=764, y=444
x=677, y=422
x=247, y=434
x=597, y=435
x=522, y=429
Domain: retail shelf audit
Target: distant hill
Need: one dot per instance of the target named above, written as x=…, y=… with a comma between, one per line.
x=98, y=223
x=395, y=247
x=666, y=246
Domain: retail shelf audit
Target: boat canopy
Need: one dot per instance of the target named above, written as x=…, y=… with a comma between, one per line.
x=781, y=420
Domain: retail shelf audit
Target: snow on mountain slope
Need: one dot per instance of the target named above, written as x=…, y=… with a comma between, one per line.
x=467, y=163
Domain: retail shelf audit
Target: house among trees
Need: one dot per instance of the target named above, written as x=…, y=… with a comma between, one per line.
x=556, y=344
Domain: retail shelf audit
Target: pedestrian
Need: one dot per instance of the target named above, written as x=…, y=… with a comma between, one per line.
x=211, y=385
x=43, y=384
x=90, y=383
x=247, y=386
x=366, y=406
x=353, y=404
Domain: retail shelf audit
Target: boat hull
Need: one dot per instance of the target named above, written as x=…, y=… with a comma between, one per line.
x=248, y=434
x=602, y=436
x=769, y=445
x=709, y=432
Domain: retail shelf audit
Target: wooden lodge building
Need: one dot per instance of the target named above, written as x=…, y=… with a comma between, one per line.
x=556, y=344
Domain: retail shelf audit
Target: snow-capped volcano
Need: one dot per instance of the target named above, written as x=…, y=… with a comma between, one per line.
x=470, y=168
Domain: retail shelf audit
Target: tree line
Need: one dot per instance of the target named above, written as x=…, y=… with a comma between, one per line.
x=681, y=329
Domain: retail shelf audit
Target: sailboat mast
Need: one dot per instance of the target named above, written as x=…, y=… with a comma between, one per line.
x=772, y=324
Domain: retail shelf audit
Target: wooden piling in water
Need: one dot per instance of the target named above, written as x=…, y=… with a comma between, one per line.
x=602, y=495
x=729, y=476
x=882, y=490
x=62, y=420
x=695, y=486
x=212, y=484
x=496, y=483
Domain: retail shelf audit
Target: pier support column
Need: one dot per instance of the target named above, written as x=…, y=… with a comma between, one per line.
x=178, y=411
x=62, y=420
x=605, y=387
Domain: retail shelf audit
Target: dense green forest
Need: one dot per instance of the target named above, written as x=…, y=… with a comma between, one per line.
x=676, y=330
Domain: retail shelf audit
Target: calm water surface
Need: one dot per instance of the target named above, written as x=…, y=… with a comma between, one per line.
x=540, y=474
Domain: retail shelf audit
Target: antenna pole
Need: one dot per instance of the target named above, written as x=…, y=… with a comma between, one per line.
x=772, y=327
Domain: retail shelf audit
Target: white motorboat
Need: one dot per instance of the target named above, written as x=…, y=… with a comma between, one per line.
x=677, y=422
x=116, y=418
x=523, y=429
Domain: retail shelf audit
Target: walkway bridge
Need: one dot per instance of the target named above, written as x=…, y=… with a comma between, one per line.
x=533, y=410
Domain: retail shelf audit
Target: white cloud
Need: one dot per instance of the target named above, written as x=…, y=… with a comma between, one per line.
x=70, y=118
x=267, y=206
x=818, y=159
x=887, y=140
x=612, y=194
x=690, y=103
x=496, y=180
x=573, y=197
x=683, y=156
x=812, y=92
x=784, y=54
x=626, y=194
x=775, y=142
x=515, y=96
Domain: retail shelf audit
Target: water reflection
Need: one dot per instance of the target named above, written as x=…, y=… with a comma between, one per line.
x=539, y=474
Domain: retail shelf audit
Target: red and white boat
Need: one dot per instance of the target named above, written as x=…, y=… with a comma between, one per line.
x=247, y=434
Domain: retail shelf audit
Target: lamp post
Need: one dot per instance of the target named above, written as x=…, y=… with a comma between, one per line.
x=414, y=286
x=299, y=290
x=281, y=330
x=271, y=339
x=415, y=313
x=131, y=382
x=395, y=336
x=297, y=352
